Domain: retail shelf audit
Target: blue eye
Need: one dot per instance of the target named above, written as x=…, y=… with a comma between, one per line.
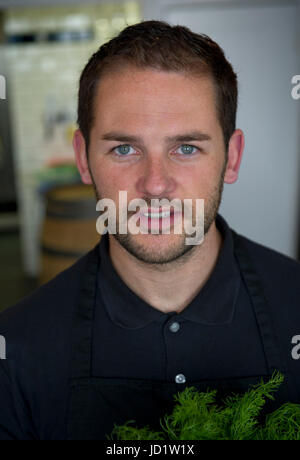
x=187, y=149
x=123, y=150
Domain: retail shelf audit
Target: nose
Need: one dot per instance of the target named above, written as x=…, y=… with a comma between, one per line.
x=155, y=180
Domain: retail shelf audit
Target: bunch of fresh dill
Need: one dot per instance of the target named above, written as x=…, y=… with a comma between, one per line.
x=196, y=416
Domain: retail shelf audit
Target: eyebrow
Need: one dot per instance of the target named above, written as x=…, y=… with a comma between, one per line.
x=186, y=137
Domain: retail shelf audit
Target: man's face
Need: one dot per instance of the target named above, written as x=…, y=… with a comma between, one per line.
x=156, y=135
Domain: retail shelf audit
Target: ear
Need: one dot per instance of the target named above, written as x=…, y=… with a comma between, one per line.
x=235, y=152
x=81, y=157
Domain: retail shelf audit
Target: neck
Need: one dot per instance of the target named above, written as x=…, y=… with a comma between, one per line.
x=156, y=284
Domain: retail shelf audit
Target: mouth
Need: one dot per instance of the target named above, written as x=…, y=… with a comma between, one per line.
x=157, y=214
x=159, y=219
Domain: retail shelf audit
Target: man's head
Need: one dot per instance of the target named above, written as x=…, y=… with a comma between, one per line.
x=156, y=115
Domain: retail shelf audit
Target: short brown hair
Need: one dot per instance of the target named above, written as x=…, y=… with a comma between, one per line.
x=158, y=45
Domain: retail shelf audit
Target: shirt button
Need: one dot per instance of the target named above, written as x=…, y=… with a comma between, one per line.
x=174, y=327
x=180, y=378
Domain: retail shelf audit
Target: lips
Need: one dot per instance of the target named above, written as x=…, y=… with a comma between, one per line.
x=156, y=213
x=157, y=218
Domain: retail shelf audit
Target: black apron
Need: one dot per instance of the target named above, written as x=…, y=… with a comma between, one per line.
x=96, y=404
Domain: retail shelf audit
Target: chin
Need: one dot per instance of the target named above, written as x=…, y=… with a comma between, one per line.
x=154, y=249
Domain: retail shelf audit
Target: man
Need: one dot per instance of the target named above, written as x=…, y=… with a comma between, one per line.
x=144, y=315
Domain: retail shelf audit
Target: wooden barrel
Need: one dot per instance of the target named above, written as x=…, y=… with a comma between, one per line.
x=69, y=228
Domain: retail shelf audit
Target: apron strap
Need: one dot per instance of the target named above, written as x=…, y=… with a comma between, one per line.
x=275, y=360
x=81, y=351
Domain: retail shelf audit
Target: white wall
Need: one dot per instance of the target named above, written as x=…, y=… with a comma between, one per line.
x=262, y=42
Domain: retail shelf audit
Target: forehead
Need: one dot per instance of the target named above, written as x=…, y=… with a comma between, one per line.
x=132, y=96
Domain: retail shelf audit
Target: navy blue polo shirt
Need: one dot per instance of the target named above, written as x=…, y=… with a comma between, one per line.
x=214, y=337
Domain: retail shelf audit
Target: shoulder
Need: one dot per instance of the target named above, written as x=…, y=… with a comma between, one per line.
x=271, y=263
x=34, y=374
x=44, y=316
x=280, y=280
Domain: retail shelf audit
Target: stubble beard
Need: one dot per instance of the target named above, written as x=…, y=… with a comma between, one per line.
x=177, y=250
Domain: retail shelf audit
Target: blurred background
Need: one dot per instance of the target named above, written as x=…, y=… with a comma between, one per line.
x=47, y=218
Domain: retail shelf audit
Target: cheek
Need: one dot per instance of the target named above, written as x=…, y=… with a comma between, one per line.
x=201, y=181
x=110, y=180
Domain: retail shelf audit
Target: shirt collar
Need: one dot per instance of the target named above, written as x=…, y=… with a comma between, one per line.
x=213, y=305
